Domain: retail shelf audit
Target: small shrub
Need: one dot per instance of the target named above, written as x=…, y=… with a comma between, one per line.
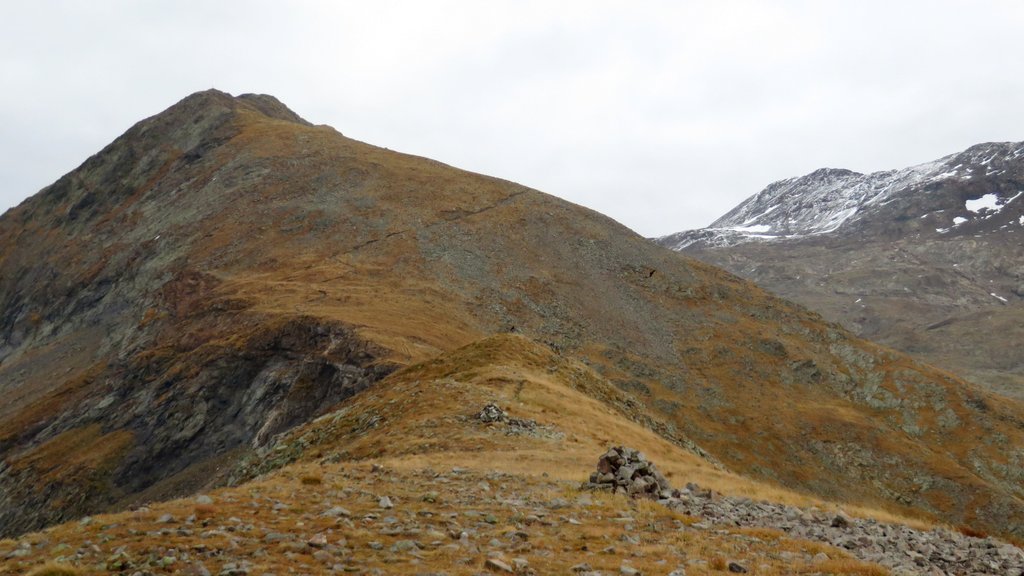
x=718, y=563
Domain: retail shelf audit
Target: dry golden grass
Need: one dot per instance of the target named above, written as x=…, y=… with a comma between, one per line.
x=843, y=566
x=55, y=569
x=205, y=511
x=80, y=458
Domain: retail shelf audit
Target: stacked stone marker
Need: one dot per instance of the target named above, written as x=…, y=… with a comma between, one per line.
x=624, y=470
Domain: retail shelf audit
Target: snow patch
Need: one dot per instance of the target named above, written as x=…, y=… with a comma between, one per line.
x=959, y=220
x=755, y=229
x=998, y=296
x=986, y=202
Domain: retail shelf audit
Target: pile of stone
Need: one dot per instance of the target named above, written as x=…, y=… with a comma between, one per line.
x=493, y=414
x=626, y=471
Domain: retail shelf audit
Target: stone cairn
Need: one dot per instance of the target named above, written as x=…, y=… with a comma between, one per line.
x=493, y=414
x=626, y=471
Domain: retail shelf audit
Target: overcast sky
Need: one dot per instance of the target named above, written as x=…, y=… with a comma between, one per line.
x=662, y=115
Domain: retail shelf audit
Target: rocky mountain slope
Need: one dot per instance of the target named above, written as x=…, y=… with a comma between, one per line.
x=225, y=272
x=929, y=259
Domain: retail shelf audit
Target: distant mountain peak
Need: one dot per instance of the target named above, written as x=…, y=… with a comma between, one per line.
x=831, y=200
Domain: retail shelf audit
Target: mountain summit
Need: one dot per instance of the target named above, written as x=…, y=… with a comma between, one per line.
x=225, y=273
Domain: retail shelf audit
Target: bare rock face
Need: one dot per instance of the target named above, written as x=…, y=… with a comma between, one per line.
x=627, y=471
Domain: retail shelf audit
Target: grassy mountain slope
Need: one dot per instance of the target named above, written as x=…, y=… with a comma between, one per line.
x=415, y=439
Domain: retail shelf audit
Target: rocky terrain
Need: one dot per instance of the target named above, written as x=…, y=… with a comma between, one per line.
x=928, y=259
x=939, y=551
x=421, y=521
x=187, y=309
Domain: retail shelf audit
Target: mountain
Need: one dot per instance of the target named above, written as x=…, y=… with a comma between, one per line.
x=928, y=259
x=973, y=192
x=226, y=274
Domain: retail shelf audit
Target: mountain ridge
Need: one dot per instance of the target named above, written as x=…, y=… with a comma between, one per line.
x=838, y=201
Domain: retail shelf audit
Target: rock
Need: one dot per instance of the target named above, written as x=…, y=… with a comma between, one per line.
x=404, y=546
x=625, y=570
x=737, y=568
x=491, y=413
x=118, y=562
x=385, y=503
x=840, y=520
x=323, y=556
x=558, y=503
x=318, y=540
x=335, y=512
x=583, y=567
x=204, y=499
x=196, y=569
x=498, y=566
x=165, y=519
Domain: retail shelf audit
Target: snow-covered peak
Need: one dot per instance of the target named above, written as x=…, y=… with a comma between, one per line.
x=829, y=199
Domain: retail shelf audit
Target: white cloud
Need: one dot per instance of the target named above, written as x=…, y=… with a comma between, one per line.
x=662, y=115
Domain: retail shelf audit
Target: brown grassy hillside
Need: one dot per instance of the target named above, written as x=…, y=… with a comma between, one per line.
x=225, y=271
x=416, y=440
